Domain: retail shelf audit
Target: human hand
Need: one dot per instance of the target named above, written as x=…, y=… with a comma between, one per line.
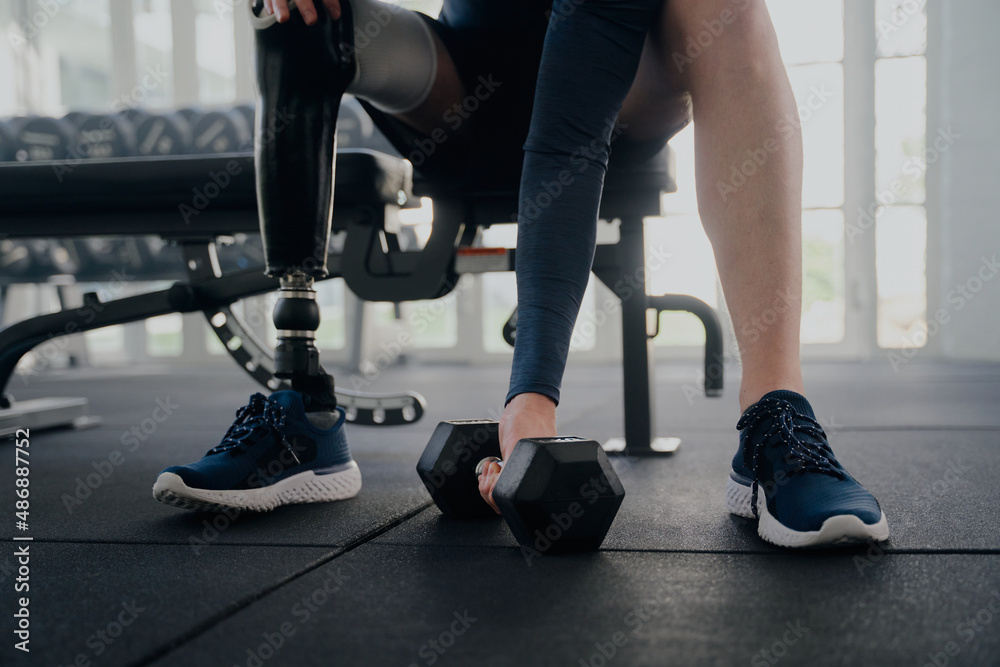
x=307, y=8
x=488, y=476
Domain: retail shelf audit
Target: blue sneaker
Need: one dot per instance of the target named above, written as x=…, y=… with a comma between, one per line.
x=786, y=475
x=272, y=455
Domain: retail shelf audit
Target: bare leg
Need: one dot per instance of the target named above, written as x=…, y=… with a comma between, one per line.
x=741, y=99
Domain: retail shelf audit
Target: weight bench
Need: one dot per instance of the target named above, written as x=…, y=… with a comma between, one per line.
x=192, y=200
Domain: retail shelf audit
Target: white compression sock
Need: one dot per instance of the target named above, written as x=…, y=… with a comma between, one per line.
x=396, y=56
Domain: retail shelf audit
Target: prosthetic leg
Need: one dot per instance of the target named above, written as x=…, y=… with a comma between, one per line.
x=302, y=72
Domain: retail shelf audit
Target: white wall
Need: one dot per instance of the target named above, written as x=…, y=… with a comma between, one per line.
x=963, y=187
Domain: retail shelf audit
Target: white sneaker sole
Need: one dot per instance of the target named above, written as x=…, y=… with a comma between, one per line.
x=841, y=530
x=305, y=487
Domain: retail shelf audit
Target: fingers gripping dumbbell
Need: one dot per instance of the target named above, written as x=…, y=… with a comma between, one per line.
x=555, y=494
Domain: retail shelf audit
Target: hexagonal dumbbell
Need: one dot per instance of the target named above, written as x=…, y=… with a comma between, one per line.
x=448, y=466
x=556, y=494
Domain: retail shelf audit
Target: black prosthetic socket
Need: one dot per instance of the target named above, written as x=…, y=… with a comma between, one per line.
x=302, y=72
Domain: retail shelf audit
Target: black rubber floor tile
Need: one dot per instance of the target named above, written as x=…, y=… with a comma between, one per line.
x=389, y=605
x=110, y=604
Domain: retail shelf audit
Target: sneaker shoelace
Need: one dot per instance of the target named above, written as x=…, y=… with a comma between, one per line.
x=802, y=455
x=261, y=413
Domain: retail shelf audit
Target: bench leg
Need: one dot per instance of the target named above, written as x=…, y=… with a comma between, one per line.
x=637, y=347
x=637, y=371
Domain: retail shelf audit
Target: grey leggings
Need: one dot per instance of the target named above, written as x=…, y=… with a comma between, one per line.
x=590, y=57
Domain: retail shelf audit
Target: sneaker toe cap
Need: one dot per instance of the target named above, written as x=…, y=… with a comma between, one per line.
x=193, y=477
x=812, y=505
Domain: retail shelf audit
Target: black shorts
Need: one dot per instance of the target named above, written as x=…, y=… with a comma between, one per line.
x=478, y=145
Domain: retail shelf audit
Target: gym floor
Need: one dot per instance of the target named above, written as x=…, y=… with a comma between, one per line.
x=119, y=579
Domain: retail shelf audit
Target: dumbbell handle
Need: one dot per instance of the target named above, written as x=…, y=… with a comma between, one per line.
x=488, y=459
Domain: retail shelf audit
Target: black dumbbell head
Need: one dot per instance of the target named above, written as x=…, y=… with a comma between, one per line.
x=41, y=138
x=133, y=115
x=6, y=142
x=221, y=132
x=558, y=494
x=448, y=466
x=16, y=258
x=104, y=136
x=74, y=117
x=163, y=134
x=191, y=114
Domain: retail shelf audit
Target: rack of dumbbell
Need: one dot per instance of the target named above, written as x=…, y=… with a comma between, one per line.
x=132, y=133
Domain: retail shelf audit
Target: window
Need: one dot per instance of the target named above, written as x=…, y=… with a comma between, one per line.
x=901, y=161
x=154, y=48
x=216, y=52
x=73, y=73
x=9, y=44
